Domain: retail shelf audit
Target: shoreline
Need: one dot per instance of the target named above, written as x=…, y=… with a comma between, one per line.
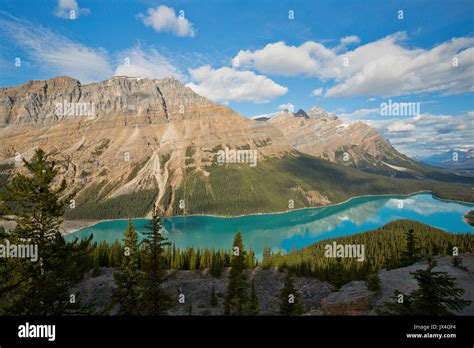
x=71, y=226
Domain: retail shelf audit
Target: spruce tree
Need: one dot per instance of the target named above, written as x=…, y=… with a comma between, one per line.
x=411, y=254
x=36, y=202
x=289, y=297
x=437, y=294
x=236, y=300
x=267, y=258
x=153, y=300
x=127, y=277
x=253, y=302
x=216, y=267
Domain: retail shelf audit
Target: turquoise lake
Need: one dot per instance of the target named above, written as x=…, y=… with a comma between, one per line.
x=299, y=228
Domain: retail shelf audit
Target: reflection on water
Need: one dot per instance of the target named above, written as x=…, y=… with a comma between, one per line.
x=297, y=229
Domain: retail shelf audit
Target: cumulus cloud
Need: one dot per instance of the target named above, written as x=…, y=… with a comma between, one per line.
x=281, y=59
x=360, y=113
x=427, y=134
x=164, y=19
x=350, y=40
x=385, y=67
x=317, y=92
x=228, y=84
x=287, y=107
x=136, y=62
x=56, y=53
x=64, y=8
x=400, y=126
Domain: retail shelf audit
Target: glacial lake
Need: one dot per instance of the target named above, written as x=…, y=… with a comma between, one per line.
x=299, y=228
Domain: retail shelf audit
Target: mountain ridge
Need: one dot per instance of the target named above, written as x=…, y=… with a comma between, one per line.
x=156, y=140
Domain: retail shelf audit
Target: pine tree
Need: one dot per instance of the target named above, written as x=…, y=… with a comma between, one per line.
x=236, y=299
x=267, y=258
x=216, y=267
x=153, y=300
x=36, y=202
x=251, y=259
x=437, y=294
x=213, y=296
x=253, y=302
x=95, y=264
x=289, y=297
x=411, y=254
x=127, y=277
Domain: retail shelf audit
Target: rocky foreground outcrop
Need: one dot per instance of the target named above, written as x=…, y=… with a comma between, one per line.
x=355, y=298
x=318, y=298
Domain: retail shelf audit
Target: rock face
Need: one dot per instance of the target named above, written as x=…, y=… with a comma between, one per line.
x=352, y=299
x=197, y=288
x=124, y=135
x=317, y=297
x=355, y=299
x=322, y=134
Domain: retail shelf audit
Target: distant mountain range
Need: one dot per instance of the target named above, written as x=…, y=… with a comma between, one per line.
x=126, y=143
x=452, y=159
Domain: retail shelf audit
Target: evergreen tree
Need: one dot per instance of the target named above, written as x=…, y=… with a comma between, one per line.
x=216, y=267
x=289, y=297
x=95, y=265
x=253, y=302
x=213, y=296
x=36, y=202
x=127, y=277
x=153, y=300
x=251, y=259
x=236, y=299
x=267, y=258
x=411, y=254
x=373, y=282
x=437, y=294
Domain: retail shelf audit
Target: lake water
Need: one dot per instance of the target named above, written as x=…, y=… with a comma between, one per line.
x=298, y=228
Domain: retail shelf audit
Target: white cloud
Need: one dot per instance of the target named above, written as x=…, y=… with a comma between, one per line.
x=350, y=40
x=288, y=107
x=400, y=126
x=317, y=92
x=428, y=134
x=56, y=53
x=385, y=67
x=227, y=84
x=136, y=62
x=164, y=19
x=280, y=59
x=361, y=113
x=64, y=8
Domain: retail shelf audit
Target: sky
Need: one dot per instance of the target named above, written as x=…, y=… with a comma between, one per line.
x=348, y=57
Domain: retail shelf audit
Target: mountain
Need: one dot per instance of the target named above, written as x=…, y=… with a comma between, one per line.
x=452, y=159
x=126, y=143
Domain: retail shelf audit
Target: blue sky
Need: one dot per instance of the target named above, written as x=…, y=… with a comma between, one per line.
x=281, y=60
